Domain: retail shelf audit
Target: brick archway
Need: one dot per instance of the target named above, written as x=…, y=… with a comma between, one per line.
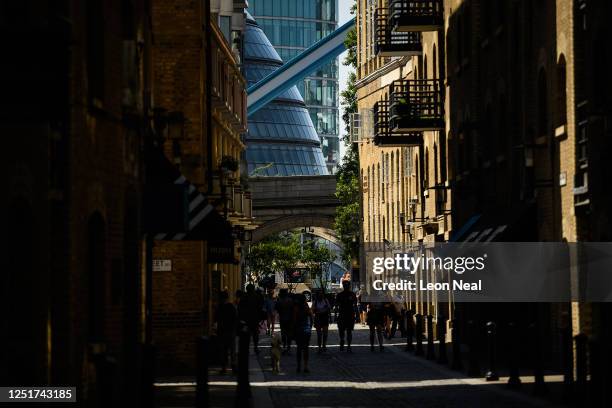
x=323, y=226
x=284, y=203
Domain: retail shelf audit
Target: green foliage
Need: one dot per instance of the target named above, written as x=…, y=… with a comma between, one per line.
x=348, y=213
x=348, y=100
x=283, y=254
x=317, y=259
x=351, y=43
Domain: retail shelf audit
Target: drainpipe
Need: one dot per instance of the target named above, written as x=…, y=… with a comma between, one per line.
x=208, y=90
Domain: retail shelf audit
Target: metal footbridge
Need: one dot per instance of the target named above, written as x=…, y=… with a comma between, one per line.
x=298, y=68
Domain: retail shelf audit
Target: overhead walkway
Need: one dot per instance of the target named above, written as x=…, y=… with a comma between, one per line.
x=298, y=68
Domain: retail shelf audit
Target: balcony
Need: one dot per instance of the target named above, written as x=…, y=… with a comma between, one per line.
x=385, y=136
x=389, y=43
x=416, y=105
x=415, y=15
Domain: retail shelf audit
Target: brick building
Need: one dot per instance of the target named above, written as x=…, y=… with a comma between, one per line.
x=203, y=99
x=104, y=102
x=525, y=108
x=73, y=109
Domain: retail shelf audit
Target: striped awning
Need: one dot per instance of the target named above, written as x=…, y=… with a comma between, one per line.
x=200, y=220
x=514, y=226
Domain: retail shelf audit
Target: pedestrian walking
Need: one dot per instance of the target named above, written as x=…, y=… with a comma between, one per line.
x=321, y=309
x=396, y=313
x=303, y=328
x=226, y=318
x=284, y=308
x=361, y=307
x=347, y=307
x=270, y=306
x=410, y=329
x=376, y=320
x=249, y=311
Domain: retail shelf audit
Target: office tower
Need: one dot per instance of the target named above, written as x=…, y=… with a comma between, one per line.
x=291, y=27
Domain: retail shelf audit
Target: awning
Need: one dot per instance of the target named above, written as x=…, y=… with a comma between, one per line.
x=515, y=226
x=174, y=208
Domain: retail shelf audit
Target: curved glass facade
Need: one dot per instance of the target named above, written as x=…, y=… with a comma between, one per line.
x=281, y=139
x=291, y=26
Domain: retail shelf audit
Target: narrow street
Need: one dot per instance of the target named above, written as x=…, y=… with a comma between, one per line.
x=393, y=378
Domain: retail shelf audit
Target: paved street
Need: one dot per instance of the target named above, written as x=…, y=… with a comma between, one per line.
x=393, y=378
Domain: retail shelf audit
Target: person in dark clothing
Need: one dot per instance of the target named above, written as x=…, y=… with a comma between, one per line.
x=347, y=306
x=302, y=316
x=227, y=323
x=321, y=309
x=249, y=310
x=375, y=318
x=284, y=307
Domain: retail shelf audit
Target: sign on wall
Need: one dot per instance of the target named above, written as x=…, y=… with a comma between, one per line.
x=162, y=265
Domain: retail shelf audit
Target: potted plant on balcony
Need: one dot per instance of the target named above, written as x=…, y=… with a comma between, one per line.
x=227, y=166
x=228, y=163
x=400, y=112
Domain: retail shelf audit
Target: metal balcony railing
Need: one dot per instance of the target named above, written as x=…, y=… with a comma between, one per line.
x=388, y=43
x=416, y=15
x=416, y=105
x=384, y=136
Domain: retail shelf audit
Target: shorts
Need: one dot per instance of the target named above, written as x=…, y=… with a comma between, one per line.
x=321, y=320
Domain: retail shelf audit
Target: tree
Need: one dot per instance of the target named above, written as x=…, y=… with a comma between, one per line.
x=317, y=259
x=260, y=261
x=348, y=213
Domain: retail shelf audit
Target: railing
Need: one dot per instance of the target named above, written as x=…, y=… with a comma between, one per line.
x=385, y=136
x=415, y=15
x=416, y=105
x=389, y=43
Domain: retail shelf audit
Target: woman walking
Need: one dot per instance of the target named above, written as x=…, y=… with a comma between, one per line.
x=303, y=328
x=321, y=309
x=376, y=321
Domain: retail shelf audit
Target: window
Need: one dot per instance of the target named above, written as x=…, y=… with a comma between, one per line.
x=435, y=154
x=487, y=15
x=561, y=91
x=542, y=103
x=225, y=24
x=443, y=148
x=95, y=50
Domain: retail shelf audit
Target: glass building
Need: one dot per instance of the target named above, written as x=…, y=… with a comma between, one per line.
x=291, y=27
x=281, y=139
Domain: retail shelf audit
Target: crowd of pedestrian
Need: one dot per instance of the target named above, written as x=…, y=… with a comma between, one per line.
x=258, y=312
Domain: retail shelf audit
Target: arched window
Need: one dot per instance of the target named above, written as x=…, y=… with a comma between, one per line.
x=435, y=63
x=443, y=158
x=502, y=145
x=542, y=104
x=96, y=279
x=435, y=154
x=426, y=169
x=487, y=134
x=561, y=91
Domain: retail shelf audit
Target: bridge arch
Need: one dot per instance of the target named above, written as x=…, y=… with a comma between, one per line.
x=323, y=224
x=282, y=203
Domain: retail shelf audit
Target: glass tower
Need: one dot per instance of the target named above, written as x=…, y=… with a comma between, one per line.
x=281, y=139
x=292, y=26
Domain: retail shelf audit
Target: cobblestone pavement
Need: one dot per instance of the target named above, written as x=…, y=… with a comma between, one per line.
x=392, y=378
